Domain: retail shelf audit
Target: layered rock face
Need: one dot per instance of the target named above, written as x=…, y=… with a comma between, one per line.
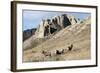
x=49, y=26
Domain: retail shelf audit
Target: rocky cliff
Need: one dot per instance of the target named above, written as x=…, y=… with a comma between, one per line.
x=47, y=28
x=55, y=24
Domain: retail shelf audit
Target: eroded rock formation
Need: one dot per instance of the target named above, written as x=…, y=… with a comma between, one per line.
x=49, y=26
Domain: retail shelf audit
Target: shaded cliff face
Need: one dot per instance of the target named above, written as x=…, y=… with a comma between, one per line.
x=28, y=33
x=50, y=26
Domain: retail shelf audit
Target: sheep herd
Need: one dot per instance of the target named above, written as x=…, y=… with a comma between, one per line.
x=46, y=55
x=57, y=52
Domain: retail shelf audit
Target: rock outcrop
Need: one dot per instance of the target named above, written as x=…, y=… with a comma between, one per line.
x=49, y=26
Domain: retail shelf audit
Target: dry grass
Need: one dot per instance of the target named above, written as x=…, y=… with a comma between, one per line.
x=78, y=35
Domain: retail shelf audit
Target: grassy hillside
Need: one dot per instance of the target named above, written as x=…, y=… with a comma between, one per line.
x=77, y=34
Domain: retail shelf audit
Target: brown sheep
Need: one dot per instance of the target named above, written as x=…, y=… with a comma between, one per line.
x=70, y=47
x=46, y=53
x=59, y=52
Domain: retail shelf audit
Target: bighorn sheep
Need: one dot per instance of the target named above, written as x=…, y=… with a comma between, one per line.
x=58, y=52
x=70, y=47
x=46, y=53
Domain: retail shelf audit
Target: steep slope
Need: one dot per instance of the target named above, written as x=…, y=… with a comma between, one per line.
x=78, y=35
x=69, y=34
